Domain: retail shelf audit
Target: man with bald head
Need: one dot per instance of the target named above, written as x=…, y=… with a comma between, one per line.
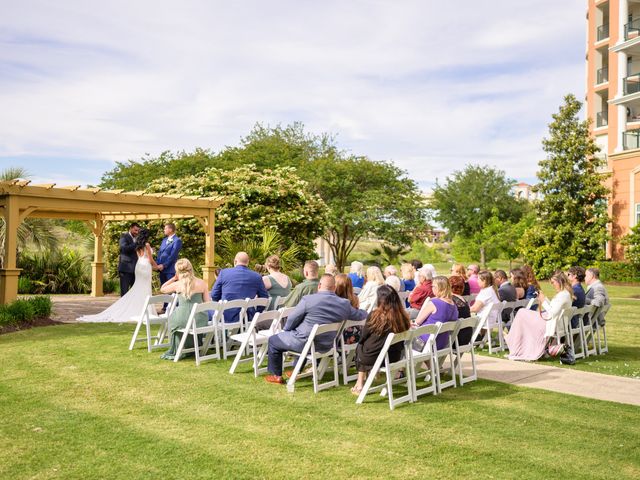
x=236, y=283
x=314, y=309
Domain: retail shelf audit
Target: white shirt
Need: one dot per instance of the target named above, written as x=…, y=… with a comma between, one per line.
x=488, y=298
x=555, y=308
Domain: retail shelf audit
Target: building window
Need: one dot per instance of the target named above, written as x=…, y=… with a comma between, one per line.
x=637, y=213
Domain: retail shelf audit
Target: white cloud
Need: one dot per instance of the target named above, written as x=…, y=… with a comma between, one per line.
x=430, y=85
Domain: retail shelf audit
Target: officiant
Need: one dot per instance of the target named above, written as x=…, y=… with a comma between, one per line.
x=168, y=253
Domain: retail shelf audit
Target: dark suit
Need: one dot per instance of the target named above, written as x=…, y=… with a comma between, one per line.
x=316, y=309
x=238, y=283
x=127, y=262
x=168, y=256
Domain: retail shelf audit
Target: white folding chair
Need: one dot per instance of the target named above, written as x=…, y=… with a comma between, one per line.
x=470, y=298
x=446, y=352
x=577, y=332
x=318, y=369
x=278, y=303
x=226, y=329
x=490, y=320
x=356, y=290
x=255, y=303
x=210, y=332
x=459, y=350
x=256, y=338
x=418, y=357
x=150, y=316
x=382, y=364
x=589, y=330
x=601, y=330
x=348, y=351
x=563, y=323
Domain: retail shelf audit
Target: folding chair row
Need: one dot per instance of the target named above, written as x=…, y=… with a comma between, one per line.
x=150, y=316
x=491, y=320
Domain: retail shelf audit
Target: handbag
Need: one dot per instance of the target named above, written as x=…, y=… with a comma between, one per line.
x=555, y=350
x=567, y=357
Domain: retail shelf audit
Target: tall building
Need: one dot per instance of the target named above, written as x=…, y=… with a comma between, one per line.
x=613, y=102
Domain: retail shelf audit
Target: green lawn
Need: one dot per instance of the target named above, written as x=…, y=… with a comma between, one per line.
x=75, y=403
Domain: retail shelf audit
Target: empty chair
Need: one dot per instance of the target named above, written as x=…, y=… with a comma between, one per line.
x=149, y=316
x=460, y=349
x=348, y=351
x=255, y=339
x=209, y=333
x=318, y=361
x=383, y=365
x=423, y=356
x=226, y=329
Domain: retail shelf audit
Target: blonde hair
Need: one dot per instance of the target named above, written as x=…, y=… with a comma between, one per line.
x=393, y=281
x=564, y=283
x=184, y=270
x=273, y=262
x=443, y=287
x=408, y=271
x=356, y=267
x=374, y=274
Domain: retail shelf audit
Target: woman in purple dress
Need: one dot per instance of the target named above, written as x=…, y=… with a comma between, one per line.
x=441, y=308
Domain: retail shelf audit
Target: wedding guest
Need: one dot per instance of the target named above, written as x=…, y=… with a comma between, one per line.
x=576, y=277
x=236, y=283
x=518, y=280
x=191, y=291
x=277, y=283
x=128, y=258
x=344, y=289
x=368, y=295
x=472, y=278
x=389, y=316
x=356, y=274
x=422, y=291
x=417, y=265
x=532, y=284
x=486, y=299
x=408, y=279
x=392, y=279
x=458, y=269
x=464, y=310
x=596, y=293
x=506, y=291
x=308, y=287
x=168, y=253
x=331, y=269
x=441, y=309
x=530, y=333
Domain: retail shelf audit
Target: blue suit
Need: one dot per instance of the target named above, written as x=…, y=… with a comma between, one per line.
x=316, y=309
x=168, y=256
x=238, y=283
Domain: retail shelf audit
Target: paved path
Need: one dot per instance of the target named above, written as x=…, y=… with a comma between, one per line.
x=562, y=380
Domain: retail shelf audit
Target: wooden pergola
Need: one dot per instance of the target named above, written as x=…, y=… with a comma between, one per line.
x=20, y=200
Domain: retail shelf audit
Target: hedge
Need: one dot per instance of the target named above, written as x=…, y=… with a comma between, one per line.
x=26, y=310
x=618, y=272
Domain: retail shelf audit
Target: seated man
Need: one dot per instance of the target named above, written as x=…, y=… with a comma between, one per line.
x=309, y=286
x=316, y=309
x=596, y=293
x=576, y=277
x=237, y=283
x=506, y=292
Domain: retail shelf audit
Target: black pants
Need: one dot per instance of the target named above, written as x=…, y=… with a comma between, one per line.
x=126, y=281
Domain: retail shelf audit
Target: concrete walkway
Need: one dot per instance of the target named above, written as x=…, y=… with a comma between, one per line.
x=561, y=380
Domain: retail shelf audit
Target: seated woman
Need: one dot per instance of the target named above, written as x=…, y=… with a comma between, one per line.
x=532, y=284
x=276, y=283
x=191, y=290
x=356, y=274
x=531, y=331
x=344, y=289
x=464, y=311
x=441, y=309
x=458, y=269
x=423, y=290
x=519, y=281
x=408, y=272
x=389, y=316
x=368, y=294
x=486, y=299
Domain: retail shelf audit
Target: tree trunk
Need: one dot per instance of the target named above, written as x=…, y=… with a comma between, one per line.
x=483, y=258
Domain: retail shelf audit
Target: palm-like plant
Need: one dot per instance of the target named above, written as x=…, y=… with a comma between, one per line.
x=258, y=249
x=37, y=232
x=388, y=254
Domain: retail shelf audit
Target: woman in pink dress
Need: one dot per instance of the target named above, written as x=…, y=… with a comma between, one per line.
x=531, y=329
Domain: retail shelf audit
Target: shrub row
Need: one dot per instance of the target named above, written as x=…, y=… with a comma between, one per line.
x=619, y=272
x=25, y=310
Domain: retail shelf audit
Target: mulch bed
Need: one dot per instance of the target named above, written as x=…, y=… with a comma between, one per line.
x=36, y=322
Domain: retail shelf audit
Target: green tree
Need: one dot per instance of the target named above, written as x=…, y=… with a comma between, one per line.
x=571, y=218
x=366, y=198
x=388, y=254
x=470, y=199
x=631, y=242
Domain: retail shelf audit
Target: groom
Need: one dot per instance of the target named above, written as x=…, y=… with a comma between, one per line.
x=168, y=253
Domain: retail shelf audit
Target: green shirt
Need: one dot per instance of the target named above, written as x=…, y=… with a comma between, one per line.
x=305, y=288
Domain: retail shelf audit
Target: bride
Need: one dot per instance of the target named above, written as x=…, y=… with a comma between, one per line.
x=130, y=305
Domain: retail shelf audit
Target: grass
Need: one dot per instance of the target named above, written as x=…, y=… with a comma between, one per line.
x=75, y=403
x=623, y=333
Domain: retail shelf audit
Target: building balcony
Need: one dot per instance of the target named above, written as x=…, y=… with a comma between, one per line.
x=631, y=140
x=602, y=119
x=602, y=32
x=602, y=75
x=632, y=29
x=631, y=84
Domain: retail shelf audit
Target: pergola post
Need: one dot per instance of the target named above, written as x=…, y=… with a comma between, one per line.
x=97, y=266
x=9, y=273
x=209, y=269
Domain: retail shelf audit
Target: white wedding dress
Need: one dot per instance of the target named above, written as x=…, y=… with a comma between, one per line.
x=129, y=305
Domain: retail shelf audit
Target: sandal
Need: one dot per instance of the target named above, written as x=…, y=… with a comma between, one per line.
x=355, y=390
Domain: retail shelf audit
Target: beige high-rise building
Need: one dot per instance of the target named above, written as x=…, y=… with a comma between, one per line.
x=613, y=102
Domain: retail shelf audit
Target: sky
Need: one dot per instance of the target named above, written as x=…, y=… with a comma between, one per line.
x=429, y=85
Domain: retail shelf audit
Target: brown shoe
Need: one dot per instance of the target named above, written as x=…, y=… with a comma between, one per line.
x=274, y=379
